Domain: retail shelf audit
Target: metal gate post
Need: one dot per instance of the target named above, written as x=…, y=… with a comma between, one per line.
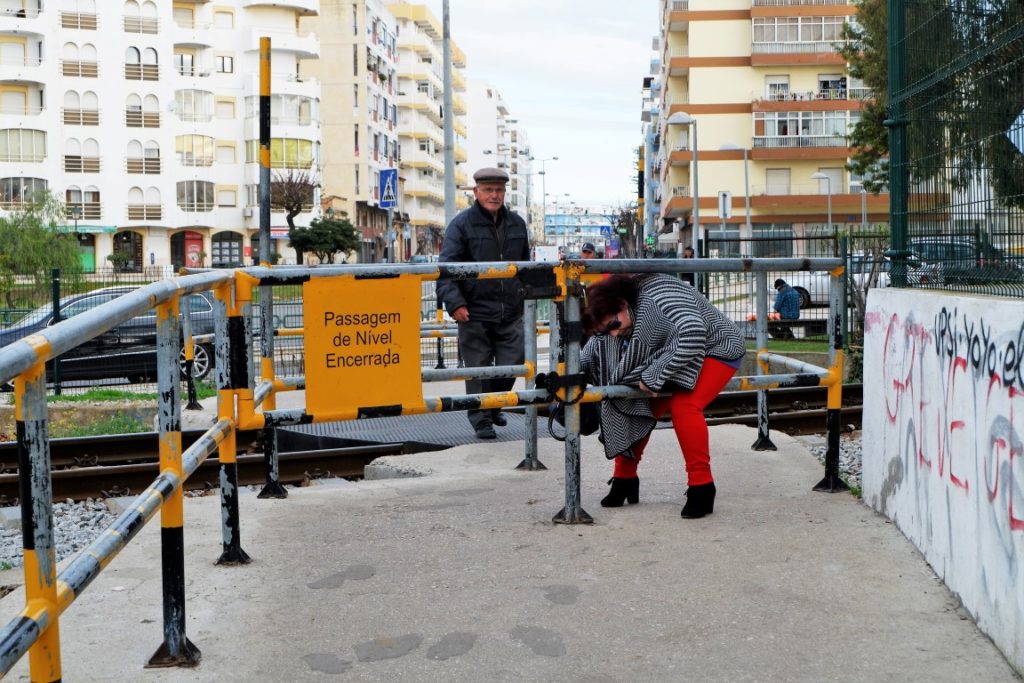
x=41, y=612
x=530, y=462
x=831, y=483
x=176, y=649
x=233, y=379
x=764, y=442
x=190, y=354
x=569, y=361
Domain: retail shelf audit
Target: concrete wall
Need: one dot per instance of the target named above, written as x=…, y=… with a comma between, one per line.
x=943, y=455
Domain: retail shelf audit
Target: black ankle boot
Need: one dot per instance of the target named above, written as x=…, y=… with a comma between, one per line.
x=622, y=490
x=700, y=501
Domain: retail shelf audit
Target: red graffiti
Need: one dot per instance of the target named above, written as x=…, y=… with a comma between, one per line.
x=976, y=414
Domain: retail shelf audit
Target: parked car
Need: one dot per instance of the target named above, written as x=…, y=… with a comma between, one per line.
x=937, y=261
x=127, y=351
x=862, y=265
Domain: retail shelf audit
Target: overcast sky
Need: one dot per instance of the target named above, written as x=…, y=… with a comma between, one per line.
x=572, y=73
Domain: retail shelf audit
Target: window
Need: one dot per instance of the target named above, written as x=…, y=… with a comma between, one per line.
x=20, y=144
x=287, y=109
x=284, y=153
x=222, y=19
x=776, y=242
x=183, y=17
x=226, y=249
x=193, y=105
x=225, y=109
x=195, y=195
x=194, y=150
x=776, y=87
x=835, y=180
x=226, y=154
x=15, y=193
x=777, y=181
x=227, y=197
x=225, y=65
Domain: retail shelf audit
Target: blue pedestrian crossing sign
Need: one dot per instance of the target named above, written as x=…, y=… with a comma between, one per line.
x=389, y=188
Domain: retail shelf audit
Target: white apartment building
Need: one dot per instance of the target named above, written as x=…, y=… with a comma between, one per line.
x=357, y=70
x=142, y=117
x=420, y=123
x=496, y=139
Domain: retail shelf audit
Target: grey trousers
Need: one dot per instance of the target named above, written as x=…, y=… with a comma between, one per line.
x=483, y=344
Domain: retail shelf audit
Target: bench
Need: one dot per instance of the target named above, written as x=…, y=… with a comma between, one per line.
x=801, y=329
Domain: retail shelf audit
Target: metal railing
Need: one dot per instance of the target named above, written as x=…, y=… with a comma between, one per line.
x=243, y=390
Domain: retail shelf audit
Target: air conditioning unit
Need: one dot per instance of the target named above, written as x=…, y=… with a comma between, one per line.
x=247, y=212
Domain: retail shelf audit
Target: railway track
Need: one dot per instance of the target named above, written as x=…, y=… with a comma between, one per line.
x=125, y=464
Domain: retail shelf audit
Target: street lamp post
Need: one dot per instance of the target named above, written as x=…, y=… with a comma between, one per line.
x=681, y=117
x=76, y=214
x=863, y=206
x=544, y=190
x=828, y=189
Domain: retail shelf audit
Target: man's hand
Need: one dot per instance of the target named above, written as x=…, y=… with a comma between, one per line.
x=461, y=314
x=647, y=390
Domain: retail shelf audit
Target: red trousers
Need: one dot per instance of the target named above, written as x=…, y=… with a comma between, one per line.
x=687, y=411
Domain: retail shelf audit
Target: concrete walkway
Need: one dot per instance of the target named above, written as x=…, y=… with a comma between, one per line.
x=459, y=575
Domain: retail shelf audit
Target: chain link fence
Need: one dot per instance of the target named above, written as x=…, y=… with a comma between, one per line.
x=956, y=109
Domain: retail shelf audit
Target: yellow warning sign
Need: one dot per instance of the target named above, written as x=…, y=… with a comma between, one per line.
x=362, y=343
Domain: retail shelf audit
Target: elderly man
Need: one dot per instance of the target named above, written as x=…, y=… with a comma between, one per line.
x=489, y=312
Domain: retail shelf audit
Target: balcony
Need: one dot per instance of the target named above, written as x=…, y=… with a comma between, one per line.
x=795, y=54
x=142, y=72
x=797, y=3
x=81, y=117
x=80, y=164
x=799, y=147
x=79, y=68
x=420, y=44
x=20, y=12
x=423, y=103
x=145, y=212
x=141, y=119
x=79, y=20
x=193, y=34
x=821, y=95
x=194, y=71
x=144, y=25
x=303, y=46
x=679, y=61
x=195, y=160
x=201, y=206
x=798, y=141
x=86, y=210
x=22, y=156
x=143, y=165
x=426, y=189
x=421, y=159
x=306, y=7
x=458, y=105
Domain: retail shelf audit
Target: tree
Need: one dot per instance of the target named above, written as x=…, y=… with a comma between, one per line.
x=325, y=238
x=293, y=193
x=626, y=218
x=868, y=59
x=33, y=245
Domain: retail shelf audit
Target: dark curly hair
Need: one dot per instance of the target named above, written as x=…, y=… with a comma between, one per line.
x=605, y=298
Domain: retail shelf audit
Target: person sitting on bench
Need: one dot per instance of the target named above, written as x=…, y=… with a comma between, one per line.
x=787, y=305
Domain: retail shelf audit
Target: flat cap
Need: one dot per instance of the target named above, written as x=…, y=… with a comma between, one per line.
x=490, y=175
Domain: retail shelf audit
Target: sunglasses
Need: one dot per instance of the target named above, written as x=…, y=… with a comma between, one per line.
x=613, y=325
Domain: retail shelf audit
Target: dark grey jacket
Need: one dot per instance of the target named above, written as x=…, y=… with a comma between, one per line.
x=473, y=236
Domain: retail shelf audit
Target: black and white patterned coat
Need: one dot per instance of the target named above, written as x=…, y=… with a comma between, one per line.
x=674, y=329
